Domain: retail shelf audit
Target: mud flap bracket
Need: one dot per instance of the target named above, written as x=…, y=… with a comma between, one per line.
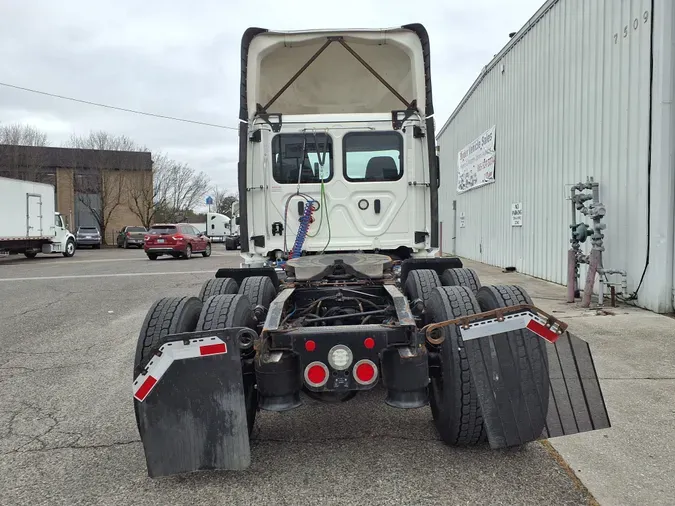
x=190, y=405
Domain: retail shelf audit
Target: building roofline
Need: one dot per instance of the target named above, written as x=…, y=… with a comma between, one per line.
x=548, y=5
x=58, y=157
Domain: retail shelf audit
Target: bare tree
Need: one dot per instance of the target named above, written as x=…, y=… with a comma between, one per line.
x=176, y=190
x=100, y=185
x=17, y=161
x=185, y=189
x=102, y=193
x=103, y=141
x=223, y=199
x=148, y=197
x=22, y=135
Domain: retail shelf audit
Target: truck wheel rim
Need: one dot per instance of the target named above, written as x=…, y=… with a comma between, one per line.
x=70, y=247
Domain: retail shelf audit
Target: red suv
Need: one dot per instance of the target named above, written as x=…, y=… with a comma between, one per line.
x=177, y=240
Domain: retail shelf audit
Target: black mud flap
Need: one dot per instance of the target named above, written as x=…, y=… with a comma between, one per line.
x=530, y=388
x=190, y=405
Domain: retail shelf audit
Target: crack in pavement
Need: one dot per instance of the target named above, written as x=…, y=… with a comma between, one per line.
x=48, y=368
x=21, y=371
x=345, y=438
x=34, y=430
x=650, y=378
x=63, y=297
x=72, y=446
x=53, y=352
x=114, y=444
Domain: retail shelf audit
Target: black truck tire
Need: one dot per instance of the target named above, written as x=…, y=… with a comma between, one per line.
x=452, y=394
x=70, y=248
x=169, y=315
x=419, y=284
x=218, y=286
x=260, y=291
x=226, y=311
x=461, y=277
x=532, y=361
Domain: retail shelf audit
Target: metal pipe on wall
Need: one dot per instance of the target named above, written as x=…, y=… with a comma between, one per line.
x=454, y=227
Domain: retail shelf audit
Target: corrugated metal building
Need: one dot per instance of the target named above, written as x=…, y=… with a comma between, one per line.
x=584, y=89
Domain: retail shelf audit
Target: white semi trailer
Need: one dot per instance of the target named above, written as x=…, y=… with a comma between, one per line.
x=29, y=223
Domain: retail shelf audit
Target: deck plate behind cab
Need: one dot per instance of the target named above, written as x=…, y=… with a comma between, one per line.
x=368, y=265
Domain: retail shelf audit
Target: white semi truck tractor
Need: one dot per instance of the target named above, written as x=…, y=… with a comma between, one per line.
x=29, y=223
x=341, y=289
x=232, y=241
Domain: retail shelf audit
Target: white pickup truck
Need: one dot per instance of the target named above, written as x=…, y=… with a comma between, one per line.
x=29, y=223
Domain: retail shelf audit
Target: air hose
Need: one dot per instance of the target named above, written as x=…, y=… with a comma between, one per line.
x=305, y=220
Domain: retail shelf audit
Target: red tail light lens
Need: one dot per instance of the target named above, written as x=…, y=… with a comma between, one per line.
x=316, y=374
x=178, y=238
x=365, y=372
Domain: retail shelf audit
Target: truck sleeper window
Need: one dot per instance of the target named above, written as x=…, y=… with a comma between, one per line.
x=287, y=158
x=373, y=156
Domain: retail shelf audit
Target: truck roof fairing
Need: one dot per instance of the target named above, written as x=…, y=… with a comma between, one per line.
x=327, y=71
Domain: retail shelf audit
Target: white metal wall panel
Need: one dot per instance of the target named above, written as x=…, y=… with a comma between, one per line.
x=570, y=99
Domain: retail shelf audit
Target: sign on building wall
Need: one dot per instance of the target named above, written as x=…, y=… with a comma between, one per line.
x=517, y=214
x=476, y=162
x=462, y=220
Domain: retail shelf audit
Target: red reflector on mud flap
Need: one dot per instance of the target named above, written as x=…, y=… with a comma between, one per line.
x=542, y=331
x=145, y=388
x=213, y=349
x=168, y=353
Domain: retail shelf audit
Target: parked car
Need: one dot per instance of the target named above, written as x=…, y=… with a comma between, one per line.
x=131, y=236
x=179, y=240
x=88, y=236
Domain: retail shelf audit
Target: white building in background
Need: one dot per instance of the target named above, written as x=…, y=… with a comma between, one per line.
x=584, y=89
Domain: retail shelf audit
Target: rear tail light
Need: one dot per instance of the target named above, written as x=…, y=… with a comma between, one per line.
x=340, y=357
x=365, y=372
x=128, y=234
x=146, y=238
x=316, y=374
x=178, y=238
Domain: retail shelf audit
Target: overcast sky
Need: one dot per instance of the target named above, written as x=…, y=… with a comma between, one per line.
x=182, y=59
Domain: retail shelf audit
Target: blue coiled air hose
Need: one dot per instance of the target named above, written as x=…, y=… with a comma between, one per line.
x=302, y=230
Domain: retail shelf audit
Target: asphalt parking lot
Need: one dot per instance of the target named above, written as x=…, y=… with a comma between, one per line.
x=68, y=434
